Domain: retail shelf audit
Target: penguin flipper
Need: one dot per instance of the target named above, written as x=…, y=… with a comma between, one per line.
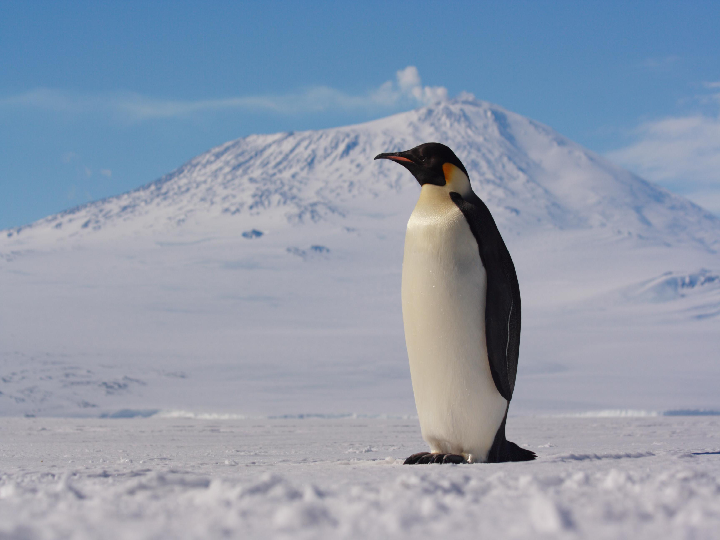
x=502, y=305
x=503, y=450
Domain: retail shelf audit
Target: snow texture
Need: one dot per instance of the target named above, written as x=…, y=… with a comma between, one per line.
x=595, y=478
x=187, y=355
x=263, y=278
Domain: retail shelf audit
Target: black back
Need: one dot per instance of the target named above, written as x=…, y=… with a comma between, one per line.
x=502, y=303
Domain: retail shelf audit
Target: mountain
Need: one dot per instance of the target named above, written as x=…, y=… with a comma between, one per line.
x=531, y=177
x=263, y=277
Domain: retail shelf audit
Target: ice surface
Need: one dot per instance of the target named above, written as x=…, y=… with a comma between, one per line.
x=640, y=478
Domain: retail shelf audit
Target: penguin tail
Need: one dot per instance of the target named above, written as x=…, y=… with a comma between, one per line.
x=514, y=453
x=503, y=450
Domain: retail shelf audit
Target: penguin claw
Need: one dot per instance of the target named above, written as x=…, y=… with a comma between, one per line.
x=423, y=458
x=412, y=460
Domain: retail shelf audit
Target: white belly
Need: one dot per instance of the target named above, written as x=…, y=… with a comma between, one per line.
x=443, y=299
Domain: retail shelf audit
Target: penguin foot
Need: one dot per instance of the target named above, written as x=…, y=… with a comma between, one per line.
x=422, y=458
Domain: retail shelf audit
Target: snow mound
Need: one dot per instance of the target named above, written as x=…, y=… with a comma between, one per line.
x=693, y=294
x=675, y=285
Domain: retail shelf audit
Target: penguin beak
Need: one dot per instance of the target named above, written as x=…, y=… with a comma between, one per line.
x=421, y=173
x=425, y=169
x=400, y=157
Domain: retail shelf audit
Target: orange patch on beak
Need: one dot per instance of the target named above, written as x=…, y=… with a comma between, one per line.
x=398, y=158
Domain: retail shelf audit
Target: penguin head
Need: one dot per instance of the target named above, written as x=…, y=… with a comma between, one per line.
x=433, y=164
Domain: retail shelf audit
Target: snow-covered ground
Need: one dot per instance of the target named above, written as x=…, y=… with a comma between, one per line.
x=210, y=327
x=595, y=477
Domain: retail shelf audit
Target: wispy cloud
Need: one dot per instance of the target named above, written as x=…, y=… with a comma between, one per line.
x=76, y=162
x=682, y=152
x=662, y=63
x=405, y=90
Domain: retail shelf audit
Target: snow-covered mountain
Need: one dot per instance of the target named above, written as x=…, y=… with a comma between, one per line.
x=530, y=176
x=263, y=277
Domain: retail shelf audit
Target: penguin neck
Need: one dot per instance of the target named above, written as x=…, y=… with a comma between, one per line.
x=434, y=197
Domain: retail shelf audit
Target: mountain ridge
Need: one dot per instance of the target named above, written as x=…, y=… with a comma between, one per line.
x=530, y=176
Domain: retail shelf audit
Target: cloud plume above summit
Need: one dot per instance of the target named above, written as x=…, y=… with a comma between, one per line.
x=406, y=90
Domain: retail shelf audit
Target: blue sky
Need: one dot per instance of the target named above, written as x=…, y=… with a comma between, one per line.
x=97, y=98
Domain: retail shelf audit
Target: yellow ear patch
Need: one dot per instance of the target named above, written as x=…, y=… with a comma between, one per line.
x=455, y=179
x=448, y=170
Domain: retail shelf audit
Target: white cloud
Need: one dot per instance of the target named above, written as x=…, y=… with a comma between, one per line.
x=405, y=90
x=708, y=199
x=106, y=172
x=676, y=148
x=681, y=152
x=408, y=79
x=408, y=89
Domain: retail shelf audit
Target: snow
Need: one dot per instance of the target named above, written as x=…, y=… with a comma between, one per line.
x=675, y=286
x=630, y=477
x=529, y=175
x=220, y=353
x=263, y=278
x=208, y=327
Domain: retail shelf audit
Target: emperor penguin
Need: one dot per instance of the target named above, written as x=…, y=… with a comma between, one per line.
x=461, y=312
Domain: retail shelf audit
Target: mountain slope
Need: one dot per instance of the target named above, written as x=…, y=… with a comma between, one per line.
x=530, y=176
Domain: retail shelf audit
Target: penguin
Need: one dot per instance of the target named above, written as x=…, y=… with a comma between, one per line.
x=461, y=313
